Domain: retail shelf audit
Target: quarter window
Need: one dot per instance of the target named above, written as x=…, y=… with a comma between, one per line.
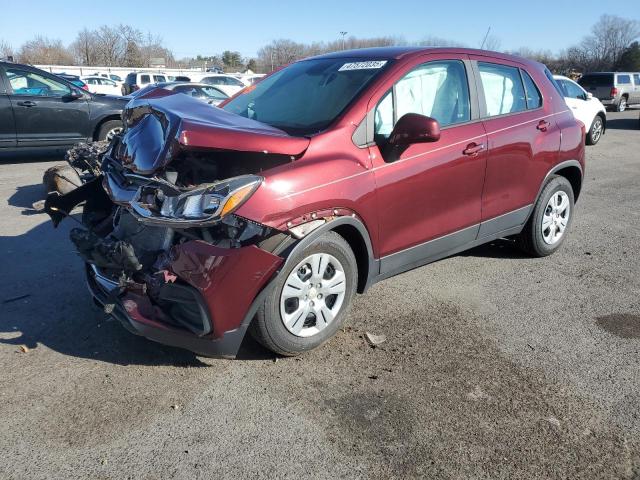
x=534, y=99
x=436, y=89
x=503, y=89
x=24, y=82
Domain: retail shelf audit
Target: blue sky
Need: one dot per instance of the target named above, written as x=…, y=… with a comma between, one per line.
x=208, y=27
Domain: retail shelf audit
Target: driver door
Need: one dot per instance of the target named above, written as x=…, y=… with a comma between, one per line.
x=429, y=194
x=45, y=114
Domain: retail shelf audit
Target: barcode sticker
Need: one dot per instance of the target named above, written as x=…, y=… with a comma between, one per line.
x=363, y=65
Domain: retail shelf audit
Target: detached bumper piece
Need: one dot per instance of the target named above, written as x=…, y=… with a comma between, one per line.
x=208, y=307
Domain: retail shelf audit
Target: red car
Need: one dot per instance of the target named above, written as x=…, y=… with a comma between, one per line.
x=329, y=175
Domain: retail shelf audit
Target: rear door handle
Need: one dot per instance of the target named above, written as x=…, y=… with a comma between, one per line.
x=473, y=149
x=543, y=125
x=27, y=103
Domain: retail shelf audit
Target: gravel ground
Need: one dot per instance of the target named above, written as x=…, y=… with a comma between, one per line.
x=495, y=366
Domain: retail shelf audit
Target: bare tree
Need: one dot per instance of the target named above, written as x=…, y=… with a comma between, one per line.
x=42, y=50
x=5, y=49
x=110, y=46
x=85, y=47
x=431, y=41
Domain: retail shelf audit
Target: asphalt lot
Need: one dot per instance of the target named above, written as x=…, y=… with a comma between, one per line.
x=496, y=365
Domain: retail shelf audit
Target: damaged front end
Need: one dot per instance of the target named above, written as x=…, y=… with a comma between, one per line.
x=165, y=252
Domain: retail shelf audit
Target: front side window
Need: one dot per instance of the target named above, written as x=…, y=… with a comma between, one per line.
x=24, y=82
x=636, y=79
x=503, y=89
x=307, y=96
x=436, y=89
x=571, y=90
x=624, y=79
x=159, y=78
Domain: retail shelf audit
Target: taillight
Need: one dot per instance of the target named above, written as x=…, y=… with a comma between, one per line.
x=614, y=91
x=85, y=87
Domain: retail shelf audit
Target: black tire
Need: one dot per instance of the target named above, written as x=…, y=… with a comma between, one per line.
x=594, y=135
x=268, y=327
x=531, y=239
x=622, y=105
x=107, y=127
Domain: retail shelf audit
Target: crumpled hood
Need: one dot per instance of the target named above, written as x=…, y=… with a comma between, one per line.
x=162, y=123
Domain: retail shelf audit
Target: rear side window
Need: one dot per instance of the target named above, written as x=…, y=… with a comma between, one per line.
x=624, y=79
x=636, y=79
x=436, y=89
x=503, y=89
x=534, y=99
x=145, y=79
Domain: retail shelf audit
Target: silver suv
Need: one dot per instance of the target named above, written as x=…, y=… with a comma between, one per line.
x=615, y=90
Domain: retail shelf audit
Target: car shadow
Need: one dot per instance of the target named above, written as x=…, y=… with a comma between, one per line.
x=501, y=248
x=45, y=302
x=623, y=123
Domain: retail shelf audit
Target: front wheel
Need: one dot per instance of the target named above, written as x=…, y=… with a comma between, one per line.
x=109, y=129
x=310, y=299
x=595, y=132
x=549, y=223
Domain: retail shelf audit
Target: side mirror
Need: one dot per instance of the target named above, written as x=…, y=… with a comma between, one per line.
x=73, y=95
x=589, y=96
x=414, y=128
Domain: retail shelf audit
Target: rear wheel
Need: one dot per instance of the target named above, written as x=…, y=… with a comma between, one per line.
x=622, y=104
x=549, y=223
x=311, y=298
x=595, y=132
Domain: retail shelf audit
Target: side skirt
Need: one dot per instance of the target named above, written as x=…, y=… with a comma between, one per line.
x=505, y=225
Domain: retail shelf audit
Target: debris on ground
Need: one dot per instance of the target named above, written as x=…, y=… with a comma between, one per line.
x=553, y=421
x=24, y=349
x=374, y=340
x=478, y=394
x=175, y=407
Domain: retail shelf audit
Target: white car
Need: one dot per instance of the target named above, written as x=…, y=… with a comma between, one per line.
x=98, y=84
x=585, y=107
x=111, y=76
x=227, y=83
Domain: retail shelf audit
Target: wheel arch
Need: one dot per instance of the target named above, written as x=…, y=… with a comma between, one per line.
x=572, y=171
x=355, y=233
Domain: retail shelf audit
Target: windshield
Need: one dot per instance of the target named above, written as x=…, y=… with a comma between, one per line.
x=307, y=96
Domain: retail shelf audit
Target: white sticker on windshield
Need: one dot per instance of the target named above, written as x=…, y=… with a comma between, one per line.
x=363, y=65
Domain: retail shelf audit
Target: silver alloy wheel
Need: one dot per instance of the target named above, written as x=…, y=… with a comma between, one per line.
x=112, y=133
x=622, y=106
x=556, y=217
x=313, y=295
x=596, y=129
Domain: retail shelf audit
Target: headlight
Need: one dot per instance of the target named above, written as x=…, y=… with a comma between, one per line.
x=207, y=204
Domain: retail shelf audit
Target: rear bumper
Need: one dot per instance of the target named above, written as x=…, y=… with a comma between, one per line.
x=228, y=283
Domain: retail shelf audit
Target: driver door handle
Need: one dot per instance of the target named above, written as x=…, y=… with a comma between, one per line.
x=473, y=149
x=27, y=103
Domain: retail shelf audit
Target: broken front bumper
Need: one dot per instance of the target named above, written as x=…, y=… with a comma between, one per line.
x=220, y=288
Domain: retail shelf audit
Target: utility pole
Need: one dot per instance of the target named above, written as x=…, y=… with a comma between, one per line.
x=272, y=59
x=485, y=38
x=343, y=35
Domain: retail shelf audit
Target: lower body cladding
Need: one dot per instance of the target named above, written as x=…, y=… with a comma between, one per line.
x=206, y=309
x=195, y=288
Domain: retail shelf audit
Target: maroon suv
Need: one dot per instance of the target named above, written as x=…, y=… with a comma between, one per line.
x=331, y=174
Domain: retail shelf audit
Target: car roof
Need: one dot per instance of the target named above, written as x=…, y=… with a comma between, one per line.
x=396, y=53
